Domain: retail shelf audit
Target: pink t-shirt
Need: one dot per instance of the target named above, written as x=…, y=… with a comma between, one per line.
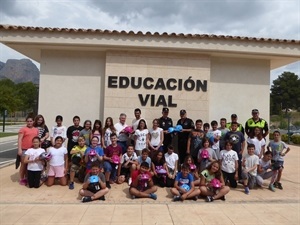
x=28, y=135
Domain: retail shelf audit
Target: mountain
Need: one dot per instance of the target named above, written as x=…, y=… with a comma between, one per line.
x=19, y=71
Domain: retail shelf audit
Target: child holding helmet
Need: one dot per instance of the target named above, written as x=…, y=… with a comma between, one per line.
x=193, y=169
x=210, y=187
x=206, y=155
x=159, y=169
x=58, y=162
x=94, y=186
x=112, y=157
x=34, y=163
x=93, y=153
x=184, y=187
x=142, y=184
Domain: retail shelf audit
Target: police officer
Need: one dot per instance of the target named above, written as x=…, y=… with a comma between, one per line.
x=255, y=121
x=165, y=122
x=234, y=118
x=187, y=126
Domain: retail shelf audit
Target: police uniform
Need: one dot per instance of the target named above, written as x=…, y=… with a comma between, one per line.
x=187, y=123
x=251, y=124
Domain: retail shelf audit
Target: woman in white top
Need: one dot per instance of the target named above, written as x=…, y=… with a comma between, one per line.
x=141, y=138
x=156, y=137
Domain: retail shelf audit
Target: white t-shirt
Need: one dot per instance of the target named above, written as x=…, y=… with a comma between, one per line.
x=33, y=154
x=228, y=160
x=265, y=165
x=107, y=134
x=58, y=155
x=141, y=139
x=251, y=160
x=155, y=136
x=215, y=133
x=257, y=143
x=58, y=131
x=121, y=136
x=125, y=157
x=171, y=160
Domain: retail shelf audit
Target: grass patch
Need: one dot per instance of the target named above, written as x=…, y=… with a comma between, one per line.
x=7, y=134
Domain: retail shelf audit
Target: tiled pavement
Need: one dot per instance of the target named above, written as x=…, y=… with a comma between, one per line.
x=59, y=205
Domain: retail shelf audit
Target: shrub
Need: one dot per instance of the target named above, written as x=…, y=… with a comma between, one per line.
x=271, y=136
x=295, y=139
x=284, y=137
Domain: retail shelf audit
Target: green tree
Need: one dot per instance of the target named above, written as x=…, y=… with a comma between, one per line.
x=285, y=92
x=28, y=94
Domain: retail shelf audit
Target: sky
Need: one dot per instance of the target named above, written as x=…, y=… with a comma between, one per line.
x=252, y=18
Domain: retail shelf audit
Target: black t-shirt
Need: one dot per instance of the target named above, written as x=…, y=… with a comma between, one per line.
x=43, y=131
x=73, y=135
x=165, y=123
x=187, y=123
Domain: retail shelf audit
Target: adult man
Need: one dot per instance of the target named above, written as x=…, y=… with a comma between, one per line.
x=165, y=122
x=187, y=126
x=135, y=122
x=73, y=133
x=255, y=121
x=122, y=135
x=234, y=118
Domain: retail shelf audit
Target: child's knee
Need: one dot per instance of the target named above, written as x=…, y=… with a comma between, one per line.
x=81, y=192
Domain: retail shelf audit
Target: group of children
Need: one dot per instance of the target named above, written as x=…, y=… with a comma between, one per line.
x=209, y=172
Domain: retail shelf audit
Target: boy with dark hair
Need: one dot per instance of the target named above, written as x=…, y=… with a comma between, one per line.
x=142, y=184
x=73, y=133
x=94, y=186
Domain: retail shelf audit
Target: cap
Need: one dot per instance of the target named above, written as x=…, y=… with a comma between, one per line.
x=145, y=164
x=182, y=112
x=255, y=111
x=165, y=110
x=233, y=116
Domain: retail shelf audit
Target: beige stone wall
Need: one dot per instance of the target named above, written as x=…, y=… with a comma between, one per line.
x=156, y=65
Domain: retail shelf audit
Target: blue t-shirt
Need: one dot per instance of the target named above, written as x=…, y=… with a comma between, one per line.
x=184, y=180
x=100, y=152
x=140, y=160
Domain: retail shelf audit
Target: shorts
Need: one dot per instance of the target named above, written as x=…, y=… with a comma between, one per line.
x=57, y=171
x=74, y=168
x=276, y=164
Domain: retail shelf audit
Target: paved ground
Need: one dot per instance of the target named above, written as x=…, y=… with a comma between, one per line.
x=59, y=205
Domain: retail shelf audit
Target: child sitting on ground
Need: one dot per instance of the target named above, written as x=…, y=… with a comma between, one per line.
x=208, y=176
x=279, y=150
x=93, y=153
x=142, y=184
x=144, y=157
x=263, y=173
x=77, y=154
x=172, y=165
x=184, y=187
x=159, y=169
x=206, y=155
x=249, y=171
x=127, y=165
x=229, y=165
x=94, y=186
x=193, y=169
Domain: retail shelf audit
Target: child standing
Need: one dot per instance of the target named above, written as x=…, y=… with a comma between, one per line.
x=94, y=186
x=263, y=173
x=249, y=171
x=156, y=135
x=58, y=130
x=223, y=130
x=229, y=165
x=141, y=138
x=279, y=150
x=35, y=165
x=172, y=165
x=77, y=154
x=127, y=165
x=206, y=187
x=97, y=132
x=86, y=131
x=107, y=131
x=142, y=184
x=206, y=155
x=194, y=143
x=258, y=141
x=159, y=169
x=215, y=137
x=58, y=162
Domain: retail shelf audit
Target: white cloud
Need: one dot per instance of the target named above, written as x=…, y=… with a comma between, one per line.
x=253, y=18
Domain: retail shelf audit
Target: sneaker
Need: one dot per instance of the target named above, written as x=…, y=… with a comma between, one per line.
x=195, y=198
x=23, y=182
x=129, y=181
x=176, y=198
x=108, y=185
x=271, y=187
x=275, y=184
x=71, y=186
x=209, y=199
x=153, y=196
x=86, y=199
x=102, y=198
x=279, y=186
x=223, y=198
x=247, y=191
x=132, y=196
